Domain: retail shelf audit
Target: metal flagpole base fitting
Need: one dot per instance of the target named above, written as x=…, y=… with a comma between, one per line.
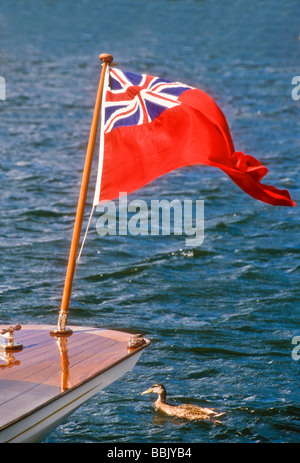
x=61, y=333
x=61, y=330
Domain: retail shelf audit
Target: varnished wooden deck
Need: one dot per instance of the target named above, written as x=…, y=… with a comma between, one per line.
x=48, y=366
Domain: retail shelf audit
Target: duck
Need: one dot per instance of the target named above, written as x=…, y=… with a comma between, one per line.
x=185, y=411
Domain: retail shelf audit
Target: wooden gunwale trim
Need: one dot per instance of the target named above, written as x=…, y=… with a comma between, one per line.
x=129, y=354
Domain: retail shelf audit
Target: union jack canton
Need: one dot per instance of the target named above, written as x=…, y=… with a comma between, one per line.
x=135, y=99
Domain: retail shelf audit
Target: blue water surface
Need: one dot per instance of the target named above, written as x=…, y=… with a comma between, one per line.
x=221, y=316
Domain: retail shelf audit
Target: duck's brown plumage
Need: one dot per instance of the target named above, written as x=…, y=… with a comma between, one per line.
x=186, y=411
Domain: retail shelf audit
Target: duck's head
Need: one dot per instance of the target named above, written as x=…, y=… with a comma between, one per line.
x=156, y=389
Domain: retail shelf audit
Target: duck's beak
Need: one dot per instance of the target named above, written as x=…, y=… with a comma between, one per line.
x=147, y=392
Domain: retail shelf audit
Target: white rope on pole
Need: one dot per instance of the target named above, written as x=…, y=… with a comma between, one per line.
x=85, y=235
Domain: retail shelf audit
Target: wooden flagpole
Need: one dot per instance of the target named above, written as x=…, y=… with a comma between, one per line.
x=64, y=309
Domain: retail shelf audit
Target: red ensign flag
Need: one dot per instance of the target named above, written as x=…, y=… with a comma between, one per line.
x=151, y=126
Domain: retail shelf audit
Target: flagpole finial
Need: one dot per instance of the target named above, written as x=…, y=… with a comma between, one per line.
x=106, y=58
